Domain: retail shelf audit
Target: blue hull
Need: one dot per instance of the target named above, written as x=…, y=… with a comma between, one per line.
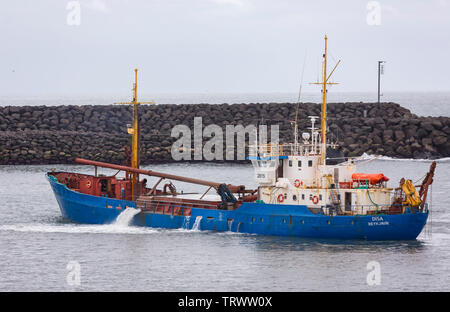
x=253, y=218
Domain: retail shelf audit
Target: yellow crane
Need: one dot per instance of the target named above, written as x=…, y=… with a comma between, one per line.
x=412, y=197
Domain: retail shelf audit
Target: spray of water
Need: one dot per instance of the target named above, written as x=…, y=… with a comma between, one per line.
x=230, y=224
x=125, y=217
x=196, y=226
x=186, y=222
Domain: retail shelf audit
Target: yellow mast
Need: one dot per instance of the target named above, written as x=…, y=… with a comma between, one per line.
x=324, y=106
x=135, y=132
x=324, y=84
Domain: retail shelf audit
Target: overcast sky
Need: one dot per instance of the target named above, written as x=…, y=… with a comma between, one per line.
x=183, y=46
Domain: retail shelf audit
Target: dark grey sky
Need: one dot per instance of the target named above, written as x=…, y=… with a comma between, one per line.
x=220, y=45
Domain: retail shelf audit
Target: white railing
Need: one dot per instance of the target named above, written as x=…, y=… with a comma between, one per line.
x=286, y=149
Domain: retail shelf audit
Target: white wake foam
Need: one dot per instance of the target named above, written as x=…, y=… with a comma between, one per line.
x=120, y=226
x=76, y=229
x=365, y=156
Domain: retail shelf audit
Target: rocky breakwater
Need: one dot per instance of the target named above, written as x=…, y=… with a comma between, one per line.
x=58, y=134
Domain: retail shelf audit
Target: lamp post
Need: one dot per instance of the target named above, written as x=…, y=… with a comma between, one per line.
x=380, y=72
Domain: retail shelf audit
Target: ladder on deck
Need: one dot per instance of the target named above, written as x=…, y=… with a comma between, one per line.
x=335, y=201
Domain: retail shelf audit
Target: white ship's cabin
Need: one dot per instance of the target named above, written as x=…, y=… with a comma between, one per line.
x=293, y=174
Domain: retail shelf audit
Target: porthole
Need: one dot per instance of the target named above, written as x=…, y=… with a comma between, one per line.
x=262, y=220
x=253, y=219
x=303, y=221
x=328, y=222
x=284, y=220
x=294, y=197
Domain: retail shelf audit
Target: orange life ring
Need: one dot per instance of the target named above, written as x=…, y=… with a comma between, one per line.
x=298, y=183
x=88, y=183
x=315, y=199
x=280, y=198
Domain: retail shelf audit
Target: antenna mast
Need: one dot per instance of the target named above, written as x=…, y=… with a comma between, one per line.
x=324, y=84
x=298, y=103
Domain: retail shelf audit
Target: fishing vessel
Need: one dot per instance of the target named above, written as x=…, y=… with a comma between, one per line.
x=300, y=192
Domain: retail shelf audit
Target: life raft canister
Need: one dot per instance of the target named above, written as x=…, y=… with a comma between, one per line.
x=298, y=183
x=315, y=199
x=373, y=178
x=280, y=198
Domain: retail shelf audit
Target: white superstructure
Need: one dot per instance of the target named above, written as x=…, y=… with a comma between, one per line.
x=293, y=174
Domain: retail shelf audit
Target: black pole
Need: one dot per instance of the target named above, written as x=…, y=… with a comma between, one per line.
x=379, y=63
x=379, y=74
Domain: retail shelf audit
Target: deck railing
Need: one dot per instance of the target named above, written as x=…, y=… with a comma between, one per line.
x=352, y=210
x=172, y=207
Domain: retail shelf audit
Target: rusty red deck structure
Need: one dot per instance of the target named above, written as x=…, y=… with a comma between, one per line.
x=148, y=198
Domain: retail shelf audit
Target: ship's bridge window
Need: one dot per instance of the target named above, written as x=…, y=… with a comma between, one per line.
x=309, y=163
x=260, y=163
x=266, y=163
x=299, y=164
x=290, y=163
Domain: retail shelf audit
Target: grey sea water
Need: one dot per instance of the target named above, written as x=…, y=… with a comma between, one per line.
x=37, y=245
x=420, y=103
